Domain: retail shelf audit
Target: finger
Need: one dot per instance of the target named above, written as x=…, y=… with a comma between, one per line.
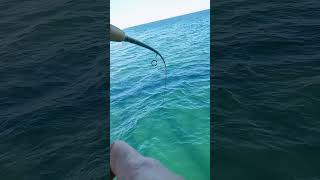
x=127, y=164
x=124, y=159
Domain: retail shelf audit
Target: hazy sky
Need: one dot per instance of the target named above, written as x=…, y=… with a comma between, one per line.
x=128, y=13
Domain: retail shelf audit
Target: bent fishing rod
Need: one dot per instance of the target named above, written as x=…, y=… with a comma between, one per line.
x=117, y=35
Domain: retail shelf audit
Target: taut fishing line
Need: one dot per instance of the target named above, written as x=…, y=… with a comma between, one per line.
x=153, y=62
x=118, y=35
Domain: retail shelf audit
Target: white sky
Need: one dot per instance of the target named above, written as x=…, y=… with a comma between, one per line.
x=128, y=13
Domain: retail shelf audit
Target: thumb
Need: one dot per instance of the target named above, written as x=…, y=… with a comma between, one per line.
x=124, y=159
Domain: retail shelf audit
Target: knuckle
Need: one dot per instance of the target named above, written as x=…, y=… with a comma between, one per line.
x=150, y=162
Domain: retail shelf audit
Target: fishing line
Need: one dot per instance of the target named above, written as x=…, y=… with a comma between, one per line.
x=153, y=62
x=118, y=35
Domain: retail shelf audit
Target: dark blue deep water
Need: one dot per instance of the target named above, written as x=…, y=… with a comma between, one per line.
x=266, y=90
x=53, y=90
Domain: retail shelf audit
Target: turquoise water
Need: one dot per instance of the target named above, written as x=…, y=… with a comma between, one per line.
x=170, y=124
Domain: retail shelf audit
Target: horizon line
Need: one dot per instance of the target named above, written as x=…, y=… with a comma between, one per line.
x=164, y=19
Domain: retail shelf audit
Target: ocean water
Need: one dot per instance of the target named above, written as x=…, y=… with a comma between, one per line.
x=266, y=90
x=170, y=124
x=53, y=90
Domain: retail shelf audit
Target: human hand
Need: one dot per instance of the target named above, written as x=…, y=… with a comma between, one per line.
x=127, y=164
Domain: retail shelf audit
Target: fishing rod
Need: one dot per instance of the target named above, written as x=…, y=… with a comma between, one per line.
x=117, y=35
